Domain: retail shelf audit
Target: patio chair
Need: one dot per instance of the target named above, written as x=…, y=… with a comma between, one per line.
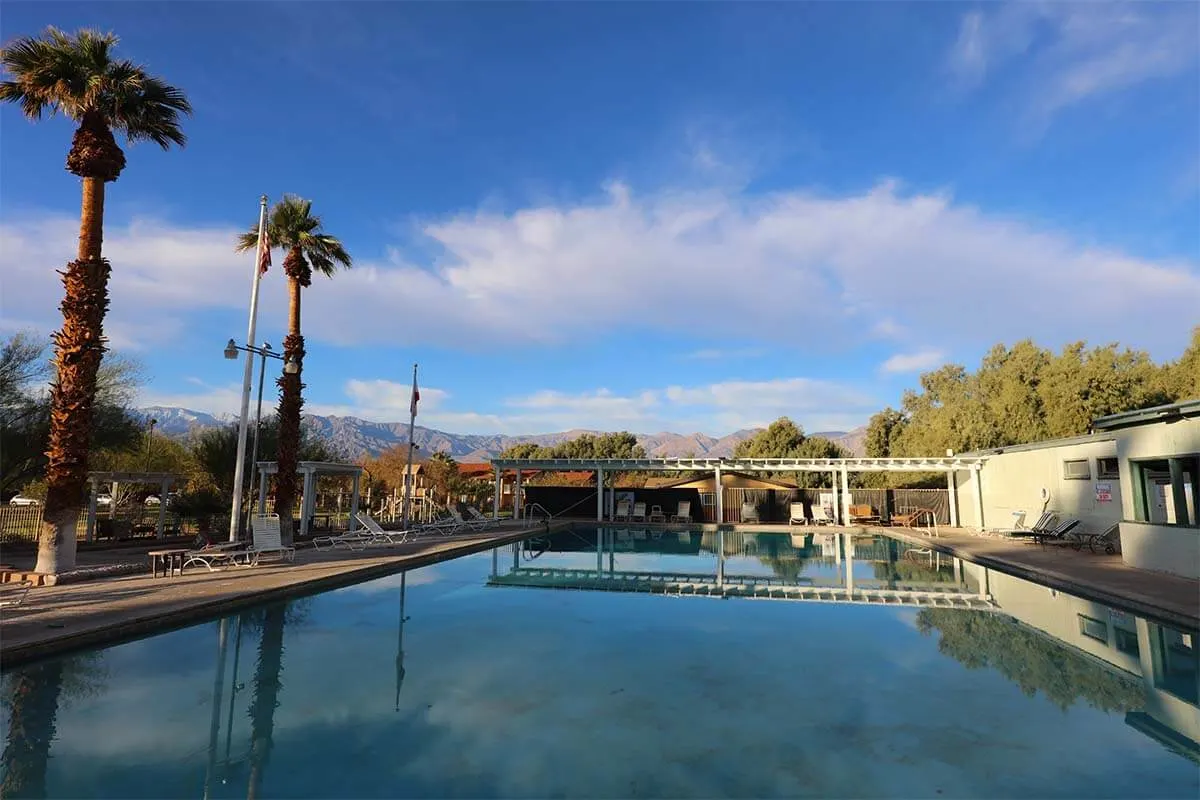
x=657, y=514
x=683, y=512
x=1057, y=535
x=750, y=513
x=908, y=517
x=476, y=516
x=17, y=591
x=623, y=511
x=218, y=556
x=1045, y=522
x=639, y=513
x=822, y=515
x=1108, y=538
x=375, y=533
x=797, y=515
x=267, y=540
x=862, y=512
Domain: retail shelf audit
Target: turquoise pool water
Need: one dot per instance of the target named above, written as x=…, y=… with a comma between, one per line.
x=585, y=665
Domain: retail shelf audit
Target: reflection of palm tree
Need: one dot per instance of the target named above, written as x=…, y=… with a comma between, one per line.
x=33, y=709
x=266, y=693
x=33, y=698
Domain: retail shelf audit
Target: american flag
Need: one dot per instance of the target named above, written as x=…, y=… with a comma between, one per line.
x=264, y=256
x=416, y=395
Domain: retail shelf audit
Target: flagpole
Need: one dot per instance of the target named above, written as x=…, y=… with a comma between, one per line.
x=239, y=469
x=412, y=422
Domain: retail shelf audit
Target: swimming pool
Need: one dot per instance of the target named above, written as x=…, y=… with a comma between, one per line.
x=668, y=665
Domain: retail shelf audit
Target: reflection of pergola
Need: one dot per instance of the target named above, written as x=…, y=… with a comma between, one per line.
x=310, y=471
x=162, y=479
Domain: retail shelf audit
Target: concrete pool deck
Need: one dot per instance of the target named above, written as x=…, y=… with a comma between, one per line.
x=56, y=619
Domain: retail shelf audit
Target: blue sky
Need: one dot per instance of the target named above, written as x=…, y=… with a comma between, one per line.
x=641, y=216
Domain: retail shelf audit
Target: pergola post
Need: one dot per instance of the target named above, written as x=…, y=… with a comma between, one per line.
x=599, y=495
x=952, y=488
x=496, y=499
x=305, y=513
x=845, y=496
x=91, y=518
x=837, y=504
x=354, y=501
x=720, y=490
x=517, y=496
x=262, y=492
x=162, y=507
x=979, y=494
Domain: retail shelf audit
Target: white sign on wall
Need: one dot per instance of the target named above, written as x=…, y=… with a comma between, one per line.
x=1103, y=492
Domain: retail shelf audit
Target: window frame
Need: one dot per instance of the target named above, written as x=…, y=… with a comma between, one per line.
x=1084, y=619
x=1087, y=476
x=1108, y=475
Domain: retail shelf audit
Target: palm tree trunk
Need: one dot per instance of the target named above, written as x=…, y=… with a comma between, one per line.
x=291, y=402
x=79, y=346
x=266, y=694
x=33, y=707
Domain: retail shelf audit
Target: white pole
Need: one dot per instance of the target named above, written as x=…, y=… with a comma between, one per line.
x=239, y=469
x=412, y=422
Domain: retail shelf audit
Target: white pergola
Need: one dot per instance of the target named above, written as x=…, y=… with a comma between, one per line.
x=310, y=471
x=835, y=467
x=162, y=479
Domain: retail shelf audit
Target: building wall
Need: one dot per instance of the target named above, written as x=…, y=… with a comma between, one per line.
x=1165, y=548
x=1013, y=481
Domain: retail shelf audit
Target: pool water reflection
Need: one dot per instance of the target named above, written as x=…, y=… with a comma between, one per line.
x=462, y=680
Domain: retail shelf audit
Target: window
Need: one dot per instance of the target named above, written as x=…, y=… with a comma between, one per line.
x=1166, y=490
x=1126, y=640
x=1093, y=628
x=1077, y=470
x=708, y=498
x=1107, y=469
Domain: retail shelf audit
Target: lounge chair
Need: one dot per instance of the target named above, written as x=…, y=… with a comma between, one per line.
x=1108, y=537
x=267, y=540
x=639, y=513
x=1045, y=522
x=657, y=514
x=822, y=515
x=797, y=515
x=15, y=593
x=1058, y=534
x=478, y=517
x=908, y=517
x=376, y=534
x=750, y=513
x=623, y=511
x=683, y=512
x=218, y=556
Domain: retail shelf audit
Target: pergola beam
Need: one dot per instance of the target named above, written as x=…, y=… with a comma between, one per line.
x=834, y=465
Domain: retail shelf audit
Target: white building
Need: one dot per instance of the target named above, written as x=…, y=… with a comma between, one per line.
x=1140, y=470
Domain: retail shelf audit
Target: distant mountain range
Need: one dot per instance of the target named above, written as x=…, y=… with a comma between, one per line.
x=355, y=437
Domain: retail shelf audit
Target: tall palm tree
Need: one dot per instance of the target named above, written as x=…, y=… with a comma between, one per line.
x=76, y=75
x=292, y=226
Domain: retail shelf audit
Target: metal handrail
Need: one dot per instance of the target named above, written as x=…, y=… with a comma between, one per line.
x=530, y=508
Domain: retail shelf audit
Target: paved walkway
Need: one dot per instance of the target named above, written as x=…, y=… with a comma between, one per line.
x=59, y=618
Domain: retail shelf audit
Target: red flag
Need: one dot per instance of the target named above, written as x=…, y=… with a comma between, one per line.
x=416, y=395
x=264, y=257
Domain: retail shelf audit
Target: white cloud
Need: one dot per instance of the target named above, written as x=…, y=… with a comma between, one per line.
x=913, y=362
x=1076, y=51
x=759, y=268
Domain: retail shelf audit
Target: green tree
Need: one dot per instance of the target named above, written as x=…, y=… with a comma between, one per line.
x=781, y=439
x=293, y=227
x=525, y=450
x=76, y=75
x=883, y=429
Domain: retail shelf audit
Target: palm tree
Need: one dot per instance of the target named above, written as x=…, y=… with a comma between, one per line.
x=76, y=75
x=293, y=227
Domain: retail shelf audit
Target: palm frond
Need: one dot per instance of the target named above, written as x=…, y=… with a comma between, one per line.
x=76, y=74
x=248, y=240
x=293, y=225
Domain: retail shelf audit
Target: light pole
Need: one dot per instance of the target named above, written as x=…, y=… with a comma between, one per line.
x=290, y=366
x=149, y=439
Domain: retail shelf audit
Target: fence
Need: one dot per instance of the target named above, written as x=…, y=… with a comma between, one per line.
x=774, y=505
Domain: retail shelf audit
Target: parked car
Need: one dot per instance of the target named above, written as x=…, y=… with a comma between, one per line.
x=104, y=499
x=19, y=500
x=154, y=500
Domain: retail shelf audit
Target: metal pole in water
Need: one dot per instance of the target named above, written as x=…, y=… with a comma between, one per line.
x=218, y=687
